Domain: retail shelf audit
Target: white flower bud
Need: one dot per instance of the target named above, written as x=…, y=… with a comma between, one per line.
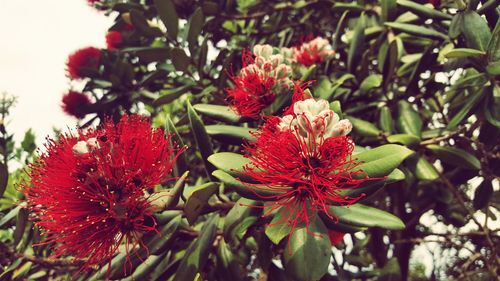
x=83, y=147
x=263, y=50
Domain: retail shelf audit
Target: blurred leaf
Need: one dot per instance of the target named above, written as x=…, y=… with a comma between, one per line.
x=388, y=10
x=385, y=120
x=168, y=96
x=4, y=178
x=145, y=268
x=141, y=23
x=456, y=25
x=309, y=252
x=476, y=31
x=181, y=163
x=361, y=215
x=22, y=220
x=416, y=30
x=455, y=156
x=201, y=137
x=391, y=271
x=382, y=160
x=198, y=251
x=230, y=268
x=423, y=11
x=218, y=112
x=463, y=52
x=196, y=22
x=364, y=128
x=339, y=30
x=356, y=45
x=198, y=200
x=391, y=60
x=409, y=120
x=149, y=54
x=28, y=143
x=10, y=215
x=180, y=59
x=466, y=109
x=482, y=195
x=404, y=139
x=493, y=68
x=371, y=82
x=168, y=15
x=494, y=44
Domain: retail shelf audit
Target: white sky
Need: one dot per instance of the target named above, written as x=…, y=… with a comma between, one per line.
x=36, y=38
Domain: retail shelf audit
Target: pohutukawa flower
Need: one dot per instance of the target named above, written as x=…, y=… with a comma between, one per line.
x=335, y=237
x=263, y=77
x=90, y=192
x=86, y=58
x=114, y=40
x=315, y=51
x=306, y=159
x=73, y=103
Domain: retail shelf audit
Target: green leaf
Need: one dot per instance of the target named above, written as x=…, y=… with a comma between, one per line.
x=141, y=24
x=390, y=63
x=167, y=14
x=463, y=53
x=196, y=22
x=4, y=178
x=218, y=112
x=230, y=134
x=243, y=214
x=10, y=215
x=145, y=268
x=494, y=44
x=423, y=11
x=391, y=271
x=256, y=192
x=180, y=59
x=455, y=156
x=382, y=160
x=424, y=170
x=168, y=198
x=229, y=162
x=357, y=45
x=409, y=121
x=198, y=251
x=228, y=265
x=339, y=31
x=482, y=195
x=476, y=31
x=493, y=68
x=466, y=109
x=308, y=254
x=368, y=188
x=385, y=120
x=366, y=216
x=22, y=220
x=488, y=5
x=370, y=82
x=160, y=242
x=181, y=163
x=404, y=139
x=201, y=137
x=279, y=227
x=388, y=10
x=338, y=226
x=416, y=30
x=456, y=26
x=364, y=128
x=149, y=54
x=28, y=144
x=168, y=96
x=198, y=200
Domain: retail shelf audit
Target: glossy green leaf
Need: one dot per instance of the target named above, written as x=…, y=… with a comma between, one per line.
x=198, y=251
x=199, y=200
x=201, y=137
x=229, y=266
x=463, y=52
x=371, y=82
x=279, y=227
x=230, y=134
x=181, y=163
x=362, y=215
x=382, y=160
x=455, y=156
x=476, y=31
x=364, y=128
x=229, y=162
x=409, y=120
x=357, y=45
x=404, y=139
x=386, y=121
x=416, y=30
x=466, y=109
x=145, y=268
x=167, y=198
x=388, y=9
x=494, y=44
x=309, y=252
x=218, y=112
x=368, y=188
x=255, y=192
x=456, y=26
x=243, y=214
x=168, y=15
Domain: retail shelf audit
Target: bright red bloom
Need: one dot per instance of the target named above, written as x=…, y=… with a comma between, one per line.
x=114, y=40
x=86, y=58
x=314, y=51
x=305, y=159
x=90, y=192
x=335, y=237
x=72, y=103
x=262, y=78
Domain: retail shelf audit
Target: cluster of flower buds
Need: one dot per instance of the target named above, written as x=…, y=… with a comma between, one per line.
x=315, y=51
x=263, y=77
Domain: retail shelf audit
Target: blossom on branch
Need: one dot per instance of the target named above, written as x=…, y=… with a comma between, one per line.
x=263, y=77
x=114, y=40
x=90, y=192
x=305, y=158
x=73, y=103
x=82, y=60
x=312, y=52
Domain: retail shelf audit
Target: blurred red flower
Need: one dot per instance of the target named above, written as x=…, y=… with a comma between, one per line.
x=89, y=192
x=114, y=40
x=72, y=103
x=86, y=58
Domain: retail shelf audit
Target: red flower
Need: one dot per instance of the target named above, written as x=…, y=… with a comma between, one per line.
x=114, y=40
x=89, y=192
x=86, y=58
x=335, y=237
x=314, y=51
x=72, y=103
x=305, y=158
x=259, y=82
